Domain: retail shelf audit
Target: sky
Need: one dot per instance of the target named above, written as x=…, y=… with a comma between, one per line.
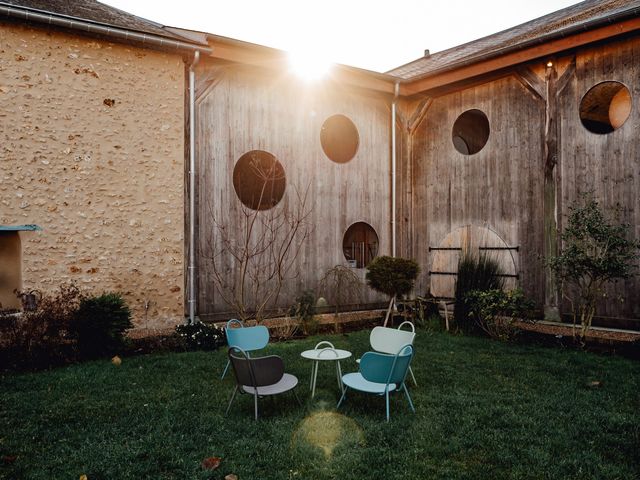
x=369, y=34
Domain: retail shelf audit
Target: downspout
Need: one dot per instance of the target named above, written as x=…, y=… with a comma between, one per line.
x=396, y=91
x=192, y=186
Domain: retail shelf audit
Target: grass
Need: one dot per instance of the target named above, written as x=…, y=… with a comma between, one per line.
x=484, y=410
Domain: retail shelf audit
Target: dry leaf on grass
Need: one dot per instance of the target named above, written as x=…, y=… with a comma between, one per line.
x=211, y=463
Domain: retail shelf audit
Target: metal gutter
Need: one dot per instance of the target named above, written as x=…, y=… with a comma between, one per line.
x=109, y=31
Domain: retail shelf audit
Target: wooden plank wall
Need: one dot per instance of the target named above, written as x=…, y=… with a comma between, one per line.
x=607, y=165
x=241, y=109
x=500, y=187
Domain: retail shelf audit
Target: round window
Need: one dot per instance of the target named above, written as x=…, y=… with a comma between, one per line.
x=339, y=138
x=470, y=132
x=360, y=244
x=605, y=107
x=259, y=180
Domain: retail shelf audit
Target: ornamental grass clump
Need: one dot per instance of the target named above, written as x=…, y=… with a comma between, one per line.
x=475, y=272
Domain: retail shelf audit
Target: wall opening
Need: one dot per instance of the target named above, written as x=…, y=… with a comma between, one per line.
x=259, y=180
x=360, y=244
x=11, y=271
x=470, y=132
x=605, y=107
x=339, y=138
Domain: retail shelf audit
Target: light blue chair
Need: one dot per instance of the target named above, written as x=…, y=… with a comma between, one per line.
x=380, y=374
x=247, y=339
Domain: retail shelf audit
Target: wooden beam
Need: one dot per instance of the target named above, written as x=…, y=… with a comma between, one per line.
x=539, y=51
x=532, y=82
x=278, y=60
x=550, y=196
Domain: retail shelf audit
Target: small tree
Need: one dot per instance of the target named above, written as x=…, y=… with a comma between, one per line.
x=392, y=276
x=342, y=285
x=595, y=252
x=254, y=255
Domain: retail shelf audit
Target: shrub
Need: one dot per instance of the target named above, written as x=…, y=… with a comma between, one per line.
x=495, y=311
x=201, y=336
x=392, y=276
x=41, y=338
x=304, y=310
x=475, y=272
x=100, y=324
x=594, y=253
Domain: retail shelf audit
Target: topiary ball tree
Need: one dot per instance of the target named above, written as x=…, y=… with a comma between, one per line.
x=392, y=276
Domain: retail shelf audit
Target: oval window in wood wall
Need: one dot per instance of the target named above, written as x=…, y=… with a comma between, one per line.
x=470, y=132
x=360, y=244
x=339, y=138
x=259, y=180
x=605, y=107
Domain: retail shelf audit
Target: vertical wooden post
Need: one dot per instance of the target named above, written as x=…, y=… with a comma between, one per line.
x=551, y=311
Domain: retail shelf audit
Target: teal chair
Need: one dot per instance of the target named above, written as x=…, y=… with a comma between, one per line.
x=381, y=374
x=247, y=339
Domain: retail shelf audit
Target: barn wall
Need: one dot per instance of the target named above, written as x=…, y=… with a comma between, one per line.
x=606, y=164
x=242, y=109
x=92, y=151
x=500, y=187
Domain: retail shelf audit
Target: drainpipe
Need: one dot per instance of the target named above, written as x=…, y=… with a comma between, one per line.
x=396, y=91
x=192, y=188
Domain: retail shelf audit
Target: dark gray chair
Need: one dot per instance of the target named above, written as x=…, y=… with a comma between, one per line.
x=260, y=377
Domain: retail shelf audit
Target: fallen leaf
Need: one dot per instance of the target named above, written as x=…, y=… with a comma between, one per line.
x=83, y=477
x=211, y=463
x=9, y=459
x=117, y=361
x=231, y=476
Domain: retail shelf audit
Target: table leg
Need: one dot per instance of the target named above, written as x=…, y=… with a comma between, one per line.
x=315, y=378
x=313, y=367
x=339, y=371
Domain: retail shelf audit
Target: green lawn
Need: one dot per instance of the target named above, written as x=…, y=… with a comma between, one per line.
x=485, y=410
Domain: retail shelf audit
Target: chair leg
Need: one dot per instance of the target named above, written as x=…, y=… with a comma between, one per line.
x=233, y=395
x=344, y=394
x=224, y=372
x=413, y=376
x=387, y=401
x=406, y=392
x=296, y=395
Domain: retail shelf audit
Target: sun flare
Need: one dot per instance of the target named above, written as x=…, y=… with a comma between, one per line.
x=309, y=64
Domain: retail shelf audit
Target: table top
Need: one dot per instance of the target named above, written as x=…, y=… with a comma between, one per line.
x=326, y=354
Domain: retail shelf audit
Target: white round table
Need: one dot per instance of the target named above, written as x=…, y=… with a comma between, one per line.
x=325, y=354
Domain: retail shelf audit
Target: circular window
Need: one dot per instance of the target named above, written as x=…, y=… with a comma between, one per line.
x=470, y=132
x=605, y=107
x=259, y=180
x=360, y=244
x=339, y=138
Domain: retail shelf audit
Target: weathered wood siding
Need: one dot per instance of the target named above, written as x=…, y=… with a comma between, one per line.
x=500, y=187
x=242, y=109
x=607, y=165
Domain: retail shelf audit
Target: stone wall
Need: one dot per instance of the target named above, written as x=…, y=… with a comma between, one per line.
x=92, y=150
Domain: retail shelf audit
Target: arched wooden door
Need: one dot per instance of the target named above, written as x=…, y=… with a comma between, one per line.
x=444, y=258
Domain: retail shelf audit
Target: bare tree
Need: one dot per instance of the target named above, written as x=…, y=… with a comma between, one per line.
x=342, y=285
x=255, y=255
